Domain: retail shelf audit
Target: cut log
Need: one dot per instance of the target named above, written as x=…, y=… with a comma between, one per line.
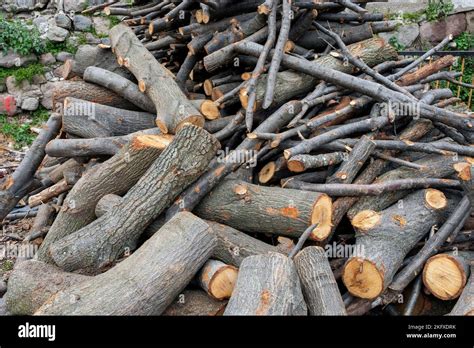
x=42, y=221
x=385, y=238
x=15, y=186
x=117, y=175
x=465, y=304
x=301, y=163
x=32, y=283
x=49, y=193
x=93, y=147
x=146, y=282
x=234, y=246
x=435, y=167
x=91, y=120
x=107, y=238
x=95, y=56
x=57, y=174
x=260, y=209
x=120, y=85
x=317, y=281
x=173, y=108
x=79, y=89
x=218, y=279
x=267, y=285
x=445, y=275
x=195, y=303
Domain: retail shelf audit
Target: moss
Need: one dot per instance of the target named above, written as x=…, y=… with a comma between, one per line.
x=7, y=266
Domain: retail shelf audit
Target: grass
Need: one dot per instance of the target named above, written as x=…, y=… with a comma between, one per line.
x=113, y=21
x=22, y=73
x=6, y=266
x=20, y=132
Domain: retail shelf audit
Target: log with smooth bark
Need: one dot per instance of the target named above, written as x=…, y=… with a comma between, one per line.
x=91, y=120
x=445, y=275
x=217, y=279
x=117, y=175
x=120, y=85
x=386, y=237
x=146, y=282
x=267, y=285
x=301, y=163
x=87, y=56
x=32, y=283
x=103, y=241
x=260, y=209
x=195, y=303
x=234, y=246
x=172, y=107
x=93, y=147
x=319, y=287
x=15, y=186
x=90, y=92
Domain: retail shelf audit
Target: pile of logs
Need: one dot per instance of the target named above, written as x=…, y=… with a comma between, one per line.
x=217, y=156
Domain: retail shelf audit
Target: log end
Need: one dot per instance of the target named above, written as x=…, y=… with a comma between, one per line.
x=196, y=120
x=223, y=282
x=208, y=86
x=444, y=277
x=362, y=278
x=267, y=173
x=366, y=220
x=296, y=166
x=151, y=141
x=322, y=215
x=210, y=110
x=435, y=199
x=463, y=170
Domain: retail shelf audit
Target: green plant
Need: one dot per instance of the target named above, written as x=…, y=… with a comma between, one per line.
x=14, y=35
x=22, y=73
x=393, y=41
x=113, y=21
x=437, y=9
x=19, y=132
x=56, y=47
x=464, y=42
x=39, y=116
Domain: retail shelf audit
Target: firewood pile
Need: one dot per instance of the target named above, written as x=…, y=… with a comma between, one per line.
x=217, y=156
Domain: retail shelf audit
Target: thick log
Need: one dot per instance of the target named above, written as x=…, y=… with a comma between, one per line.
x=107, y=238
x=120, y=85
x=32, y=283
x=93, y=147
x=15, y=186
x=91, y=120
x=465, y=304
x=87, y=56
x=445, y=275
x=435, y=167
x=195, y=303
x=218, y=279
x=173, y=108
x=267, y=285
x=90, y=92
x=146, y=282
x=320, y=289
x=117, y=175
x=386, y=237
x=260, y=209
x=234, y=246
